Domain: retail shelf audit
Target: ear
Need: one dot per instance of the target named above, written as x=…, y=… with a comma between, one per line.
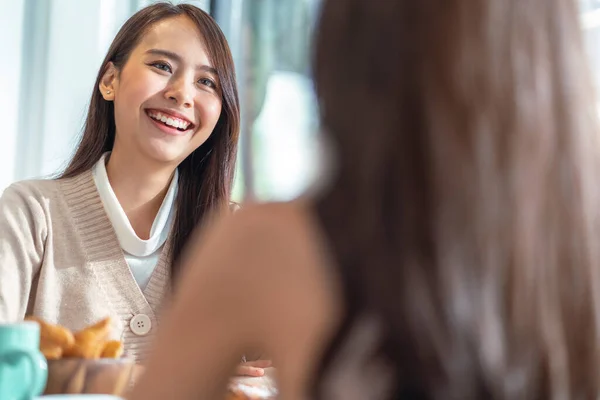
x=109, y=82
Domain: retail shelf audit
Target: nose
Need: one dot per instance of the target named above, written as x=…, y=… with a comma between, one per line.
x=180, y=93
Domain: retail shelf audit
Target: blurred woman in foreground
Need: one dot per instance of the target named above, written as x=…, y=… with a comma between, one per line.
x=454, y=255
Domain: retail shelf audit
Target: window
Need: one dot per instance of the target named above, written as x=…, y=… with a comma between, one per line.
x=54, y=48
x=279, y=144
x=591, y=27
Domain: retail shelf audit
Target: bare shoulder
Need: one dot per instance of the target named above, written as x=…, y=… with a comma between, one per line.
x=284, y=240
x=289, y=224
x=272, y=258
x=266, y=230
x=273, y=242
x=266, y=272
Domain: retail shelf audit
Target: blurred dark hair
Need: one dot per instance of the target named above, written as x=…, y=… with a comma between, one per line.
x=465, y=209
x=206, y=175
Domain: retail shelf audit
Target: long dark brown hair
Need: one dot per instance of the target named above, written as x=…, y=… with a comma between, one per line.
x=206, y=175
x=465, y=213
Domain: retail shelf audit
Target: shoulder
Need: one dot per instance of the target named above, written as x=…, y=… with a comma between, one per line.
x=31, y=192
x=25, y=206
x=50, y=196
x=289, y=276
x=33, y=186
x=261, y=247
x=270, y=251
x=272, y=228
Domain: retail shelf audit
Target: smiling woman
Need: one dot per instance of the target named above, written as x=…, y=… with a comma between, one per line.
x=178, y=85
x=156, y=158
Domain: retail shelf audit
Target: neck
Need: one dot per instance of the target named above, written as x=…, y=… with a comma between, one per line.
x=140, y=187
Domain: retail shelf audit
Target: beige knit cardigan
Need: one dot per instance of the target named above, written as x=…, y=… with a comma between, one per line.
x=60, y=260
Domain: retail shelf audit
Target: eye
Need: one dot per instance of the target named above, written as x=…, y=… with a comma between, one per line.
x=207, y=82
x=163, y=66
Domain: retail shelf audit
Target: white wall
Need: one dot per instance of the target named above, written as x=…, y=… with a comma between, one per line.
x=11, y=41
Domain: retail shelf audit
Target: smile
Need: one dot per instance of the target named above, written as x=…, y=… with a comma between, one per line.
x=170, y=120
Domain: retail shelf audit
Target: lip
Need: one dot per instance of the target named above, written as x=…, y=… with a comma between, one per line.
x=167, y=129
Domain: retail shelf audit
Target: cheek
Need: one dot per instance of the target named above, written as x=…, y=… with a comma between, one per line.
x=135, y=90
x=210, y=110
x=134, y=95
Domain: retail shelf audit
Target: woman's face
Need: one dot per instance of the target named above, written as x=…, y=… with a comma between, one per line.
x=167, y=97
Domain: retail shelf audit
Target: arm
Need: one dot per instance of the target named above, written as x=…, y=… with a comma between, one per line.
x=22, y=237
x=253, y=361
x=256, y=281
x=213, y=318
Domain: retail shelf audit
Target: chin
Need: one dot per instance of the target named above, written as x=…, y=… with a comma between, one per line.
x=165, y=154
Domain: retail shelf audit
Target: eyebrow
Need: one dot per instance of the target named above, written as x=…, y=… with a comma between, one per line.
x=177, y=57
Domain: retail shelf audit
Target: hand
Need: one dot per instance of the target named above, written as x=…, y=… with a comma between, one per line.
x=253, y=368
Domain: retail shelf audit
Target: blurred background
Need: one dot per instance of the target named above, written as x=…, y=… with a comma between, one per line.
x=53, y=48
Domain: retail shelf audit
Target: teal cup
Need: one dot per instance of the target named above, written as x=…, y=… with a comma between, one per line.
x=23, y=369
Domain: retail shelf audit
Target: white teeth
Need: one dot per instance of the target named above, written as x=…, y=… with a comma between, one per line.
x=174, y=122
